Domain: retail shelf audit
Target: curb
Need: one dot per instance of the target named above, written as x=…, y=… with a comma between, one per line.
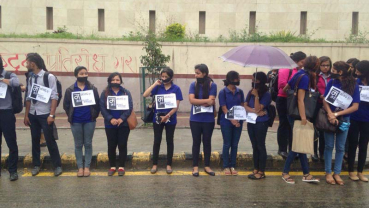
x=143, y=161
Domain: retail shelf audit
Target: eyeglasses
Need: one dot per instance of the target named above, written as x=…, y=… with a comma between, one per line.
x=325, y=65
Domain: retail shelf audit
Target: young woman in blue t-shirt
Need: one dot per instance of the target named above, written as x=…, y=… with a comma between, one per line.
x=359, y=129
x=164, y=117
x=343, y=80
x=202, y=95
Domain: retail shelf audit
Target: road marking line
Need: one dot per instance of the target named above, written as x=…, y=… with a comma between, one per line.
x=175, y=173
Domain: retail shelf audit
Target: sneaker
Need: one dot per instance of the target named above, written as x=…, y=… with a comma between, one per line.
x=13, y=176
x=227, y=172
x=35, y=171
x=111, y=172
x=234, y=172
x=121, y=172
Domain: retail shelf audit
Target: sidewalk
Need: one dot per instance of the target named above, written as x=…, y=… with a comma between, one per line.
x=140, y=144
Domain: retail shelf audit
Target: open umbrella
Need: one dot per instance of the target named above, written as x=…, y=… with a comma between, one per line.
x=259, y=56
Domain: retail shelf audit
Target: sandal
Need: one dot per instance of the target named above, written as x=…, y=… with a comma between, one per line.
x=306, y=178
x=253, y=173
x=288, y=179
x=255, y=177
x=330, y=180
x=339, y=181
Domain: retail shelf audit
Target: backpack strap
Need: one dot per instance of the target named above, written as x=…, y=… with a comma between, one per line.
x=289, y=75
x=298, y=82
x=46, y=79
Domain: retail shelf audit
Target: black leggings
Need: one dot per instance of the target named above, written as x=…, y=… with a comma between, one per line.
x=204, y=130
x=117, y=137
x=358, y=135
x=158, y=131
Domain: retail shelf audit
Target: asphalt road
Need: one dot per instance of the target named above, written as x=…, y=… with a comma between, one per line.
x=141, y=189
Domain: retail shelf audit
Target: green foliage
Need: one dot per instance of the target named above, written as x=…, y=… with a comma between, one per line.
x=154, y=58
x=175, y=31
x=361, y=37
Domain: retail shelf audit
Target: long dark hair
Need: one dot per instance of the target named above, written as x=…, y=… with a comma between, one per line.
x=111, y=76
x=262, y=77
x=353, y=62
x=169, y=72
x=207, y=80
x=363, y=68
x=347, y=80
x=37, y=59
x=311, y=65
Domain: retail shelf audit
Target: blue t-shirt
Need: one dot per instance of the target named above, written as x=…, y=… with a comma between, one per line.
x=115, y=113
x=336, y=83
x=202, y=117
x=265, y=100
x=304, y=82
x=81, y=114
x=160, y=90
x=228, y=99
x=362, y=114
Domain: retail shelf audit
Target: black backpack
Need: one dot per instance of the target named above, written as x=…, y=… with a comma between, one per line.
x=271, y=110
x=273, y=86
x=16, y=95
x=58, y=85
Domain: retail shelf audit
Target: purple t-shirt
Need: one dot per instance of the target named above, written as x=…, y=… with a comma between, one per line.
x=202, y=117
x=337, y=83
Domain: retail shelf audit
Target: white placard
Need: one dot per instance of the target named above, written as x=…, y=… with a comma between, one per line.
x=83, y=98
x=40, y=93
x=202, y=109
x=237, y=112
x=338, y=98
x=118, y=102
x=166, y=101
x=364, y=93
x=251, y=117
x=3, y=89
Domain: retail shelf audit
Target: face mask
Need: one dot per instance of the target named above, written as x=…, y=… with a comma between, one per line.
x=335, y=76
x=200, y=80
x=82, y=79
x=29, y=70
x=255, y=85
x=166, y=80
x=114, y=85
x=235, y=83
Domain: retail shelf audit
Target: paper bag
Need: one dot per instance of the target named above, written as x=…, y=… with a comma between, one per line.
x=303, y=138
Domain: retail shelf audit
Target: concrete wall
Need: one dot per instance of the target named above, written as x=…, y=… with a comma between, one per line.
x=103, y=57
x=330, y=19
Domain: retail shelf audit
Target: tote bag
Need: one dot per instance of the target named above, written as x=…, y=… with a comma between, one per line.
x=303, y=138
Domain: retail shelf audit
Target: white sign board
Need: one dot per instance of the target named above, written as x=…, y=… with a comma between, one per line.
x=3, y=89
x=40, y=93
x=166, y=101
x=202, y=109
x=83, y=98
x=118, y=102
x=237, y=112
x=338, y=98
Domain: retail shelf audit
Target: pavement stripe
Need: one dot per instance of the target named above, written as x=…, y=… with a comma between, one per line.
x=175, y=173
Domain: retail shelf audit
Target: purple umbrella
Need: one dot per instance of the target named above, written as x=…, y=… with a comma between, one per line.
x=259, y=56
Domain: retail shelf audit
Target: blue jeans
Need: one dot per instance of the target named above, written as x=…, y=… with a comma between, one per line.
x=83, y=134
x=340, y=149
x=292, y=155
x=257, y=133
x=231, y=137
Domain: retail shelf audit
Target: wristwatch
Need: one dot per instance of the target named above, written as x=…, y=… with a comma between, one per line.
x=52, y=116
x=335, y=114
x=1, y=78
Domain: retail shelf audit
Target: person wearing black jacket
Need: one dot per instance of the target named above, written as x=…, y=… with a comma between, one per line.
x=115, y=120
x=82, y=117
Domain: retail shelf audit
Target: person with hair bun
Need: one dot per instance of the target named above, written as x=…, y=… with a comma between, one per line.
x=343, y=80
x=229, y=97
x=164, y=118
x=116, y=125
x=257, y=101
x=284, y=132
x=202, y=96
x=358, y=134
x=353, y=62
x=82, y=119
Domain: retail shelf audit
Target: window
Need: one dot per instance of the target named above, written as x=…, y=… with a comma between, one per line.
x=49, y=18
x=152, y=21
x=355, y=23
x=202, y=22
x=101, y=19
x=252, y=23
x=303, y=23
